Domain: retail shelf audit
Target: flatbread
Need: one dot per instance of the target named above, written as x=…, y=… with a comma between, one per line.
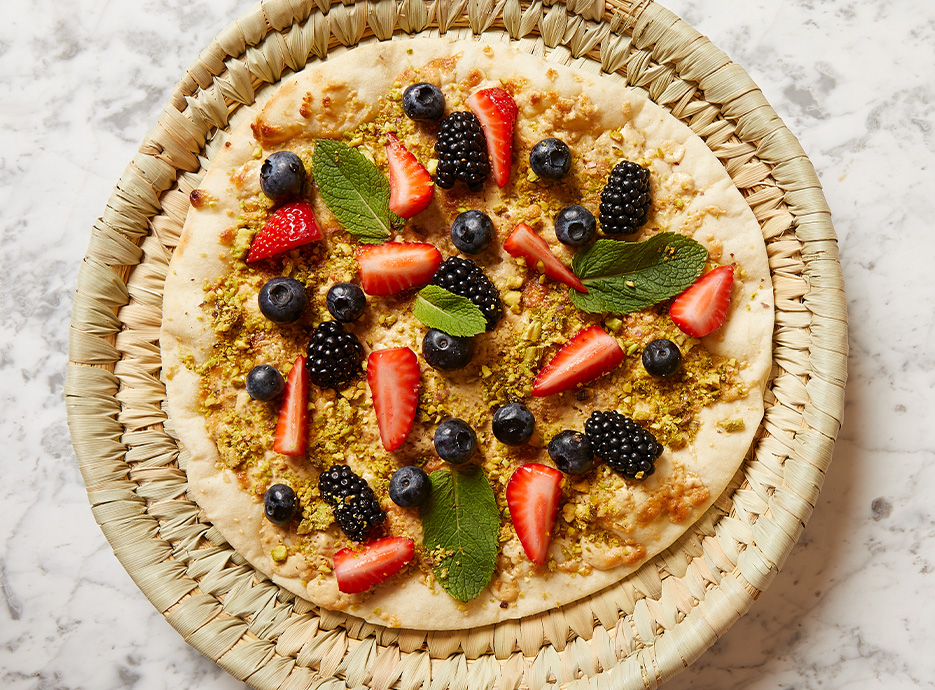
x=692, y=194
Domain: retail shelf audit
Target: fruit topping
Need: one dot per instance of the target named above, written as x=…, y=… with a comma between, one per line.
x=513, y=424
x=455, y=441
x=472, y=232
x=571, y=452
x=410, y=486
x=525, y=243
x=282, y=299
x=411, y=186
x=264, y=382
x=356, y=509
x=394, y=377
x=446, y=352
x=291, y=433
x=357, y=570
x=289, y=227
x=628, y=448
x=497, y=112
x=461, y=151
x=386, y=269
x=464, y=277
x=590, y=354
x=575, y=226
x=661, y=358
x=702, y=308
x=282, y=176
x=346, y=302
x=280, y=504
x=550, y=159
x=424, y=102
x=625, y=199
x=532, y=495
x=334, y=356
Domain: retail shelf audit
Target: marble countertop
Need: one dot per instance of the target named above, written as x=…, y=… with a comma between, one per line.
x=84, y=82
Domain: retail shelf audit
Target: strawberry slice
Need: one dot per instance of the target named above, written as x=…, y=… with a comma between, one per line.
x=590, y=354
x=359, y=569
x=411, y=186
x=527, y=244
x=702, y=308
x=292, y=425
x=532, y=495
x=392, y=267
x=289, y=227
x=394, y=377
x=497, y=112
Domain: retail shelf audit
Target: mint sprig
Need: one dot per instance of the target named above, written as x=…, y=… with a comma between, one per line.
x=460, y=526
x=453, y=314
x=354, y=190
x=624, y=277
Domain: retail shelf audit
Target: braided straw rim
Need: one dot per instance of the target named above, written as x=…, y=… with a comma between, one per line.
x=633, y=635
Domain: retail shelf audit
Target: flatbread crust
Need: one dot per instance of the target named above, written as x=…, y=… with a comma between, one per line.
x=361, y=77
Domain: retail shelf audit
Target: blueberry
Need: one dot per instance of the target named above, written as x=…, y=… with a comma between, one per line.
x=282, y=175
x=264, y=382
x=455, y=441
x=550, y=159
x=661, y=358
x=410, y=486
x=283, y=299
x=280, y=504
x=424, y=102
x=513, y=424
x=575, y=226
x=446, y=352
x=571, y=452
x=472, y=232
x=346, y=302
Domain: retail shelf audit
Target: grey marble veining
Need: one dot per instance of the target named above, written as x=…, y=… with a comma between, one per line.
x=83, y=82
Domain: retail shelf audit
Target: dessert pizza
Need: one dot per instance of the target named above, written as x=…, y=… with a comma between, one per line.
x=454, y=335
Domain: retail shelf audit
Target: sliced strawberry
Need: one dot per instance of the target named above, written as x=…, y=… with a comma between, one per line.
x=532, y=495
x=292, y=425
x=359, y=569
x=289, y=227
x=527, y=244
x=411, y=186
x=497, y=112
x=590, y=354
x=702, y=308
x=392, y=267
x=393, y=377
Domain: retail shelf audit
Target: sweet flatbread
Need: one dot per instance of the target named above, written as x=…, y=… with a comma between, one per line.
x=607, y=527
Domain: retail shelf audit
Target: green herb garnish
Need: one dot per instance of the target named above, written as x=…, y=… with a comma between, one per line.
x=453, y=314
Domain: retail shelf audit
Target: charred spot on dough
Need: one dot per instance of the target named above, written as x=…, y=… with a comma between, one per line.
x=267, y=134
x=198, y=198
x=305, y=110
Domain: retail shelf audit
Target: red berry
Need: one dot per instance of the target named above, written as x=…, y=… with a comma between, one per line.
x=590, y=354
x=359, y=569
x=289, y=227
x=527, y=244
x=411, y=186
x=497, y=112
x=702, y=308
x=532, y=495
x=394, y=377
x=392, y=267
x=292, y=424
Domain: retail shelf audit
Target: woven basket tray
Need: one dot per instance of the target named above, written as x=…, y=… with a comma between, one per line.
x=635, y=634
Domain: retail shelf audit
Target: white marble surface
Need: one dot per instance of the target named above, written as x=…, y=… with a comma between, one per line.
x=84, y=81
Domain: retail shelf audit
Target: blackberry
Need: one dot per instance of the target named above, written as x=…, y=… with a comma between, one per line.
x=461, y=150
x=464, y=277
x=625, y=200
x=334, y=356
x=356, y=508
x=623, y=444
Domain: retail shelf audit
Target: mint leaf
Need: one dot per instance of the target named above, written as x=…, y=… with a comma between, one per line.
x=439, y=308
x=623, y=277
x=354, y=190
x=460, y=526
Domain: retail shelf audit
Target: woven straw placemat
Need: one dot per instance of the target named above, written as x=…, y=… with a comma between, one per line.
x=635, y=634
